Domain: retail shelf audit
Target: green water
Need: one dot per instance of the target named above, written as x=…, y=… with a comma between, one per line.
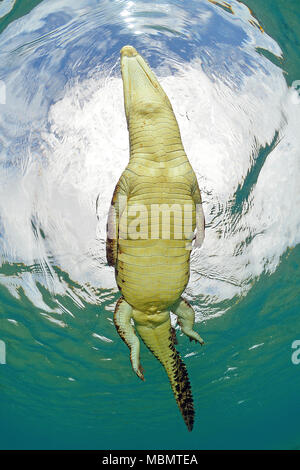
x=67, y=381
x=282, y=20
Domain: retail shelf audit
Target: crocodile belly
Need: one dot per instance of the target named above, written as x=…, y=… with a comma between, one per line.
x=152, y=273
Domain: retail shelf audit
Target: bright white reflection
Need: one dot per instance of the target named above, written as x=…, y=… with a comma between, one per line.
x=48, y=214
x=222, y=129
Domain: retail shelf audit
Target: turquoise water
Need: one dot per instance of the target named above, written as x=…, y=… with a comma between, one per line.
x=230, y=73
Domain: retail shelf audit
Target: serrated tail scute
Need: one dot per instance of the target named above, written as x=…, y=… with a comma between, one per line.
x=182, y=389
x=164, y=350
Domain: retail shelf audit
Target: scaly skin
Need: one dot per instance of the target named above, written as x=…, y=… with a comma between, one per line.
x=151, y=254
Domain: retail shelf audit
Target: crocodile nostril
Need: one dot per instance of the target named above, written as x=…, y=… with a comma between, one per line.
x=128, y=51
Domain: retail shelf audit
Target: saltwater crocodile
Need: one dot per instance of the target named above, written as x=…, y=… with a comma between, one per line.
x=155, y=219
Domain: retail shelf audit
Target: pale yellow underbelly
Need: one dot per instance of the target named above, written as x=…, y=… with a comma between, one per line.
x=152, y=273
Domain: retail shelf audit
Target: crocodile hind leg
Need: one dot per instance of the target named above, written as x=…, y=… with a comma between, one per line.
x=122, y=321
x=186, y=319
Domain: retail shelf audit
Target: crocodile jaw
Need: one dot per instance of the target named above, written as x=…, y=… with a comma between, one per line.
x=142, y=92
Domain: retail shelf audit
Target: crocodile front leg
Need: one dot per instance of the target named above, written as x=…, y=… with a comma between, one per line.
x=200, y=219
x=122, y=321
x=186, y=319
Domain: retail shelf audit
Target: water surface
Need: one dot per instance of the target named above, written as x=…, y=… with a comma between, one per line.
x=230, y=74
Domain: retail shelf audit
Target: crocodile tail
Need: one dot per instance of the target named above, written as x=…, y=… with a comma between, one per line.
x=160, y=341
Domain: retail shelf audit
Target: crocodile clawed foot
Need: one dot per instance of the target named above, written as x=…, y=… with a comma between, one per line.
x=197, y=340
x=140, y=373
x=136, y=366
x=191, y=334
